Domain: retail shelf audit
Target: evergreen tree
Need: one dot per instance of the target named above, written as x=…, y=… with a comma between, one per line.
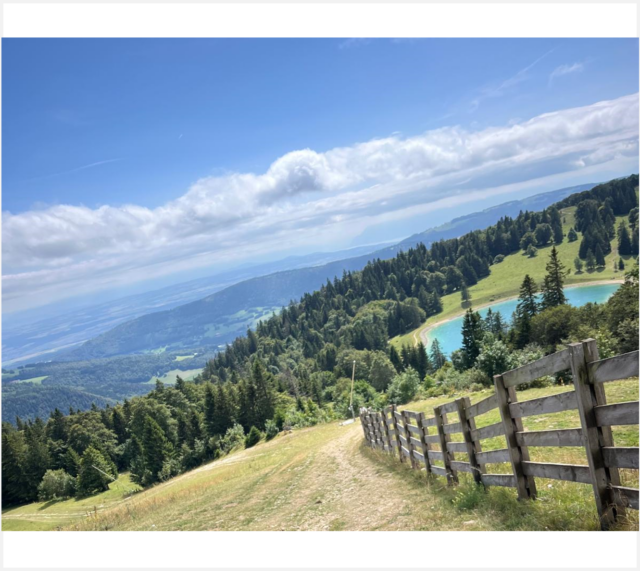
x=14, y=490
x=578, y=264
x=95, y=473
x=422, y=364
x=527, y=302
x=437, y=356
x=572, y=236
x=394, y=357
x=620, y=264
x=155, y=447
x=553, y=284
x=210, y=409
x=591, y=261
x=600, y=261
x=624, y=240
x=464, y=294
x=471, y=337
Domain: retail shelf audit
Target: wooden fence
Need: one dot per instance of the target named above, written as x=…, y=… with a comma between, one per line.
x=425, y=443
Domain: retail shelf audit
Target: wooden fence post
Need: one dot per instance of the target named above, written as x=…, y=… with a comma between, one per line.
x=407, y=434
x=517, y=453
x=592, y=436
x=591, y=354
x=444, y=438
x=394, y=410
x=424, y=431
x=462, y=403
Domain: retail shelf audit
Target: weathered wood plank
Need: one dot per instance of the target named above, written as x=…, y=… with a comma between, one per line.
x=434, y=455
x=439, y=470
x=587, y=409
x=492, y=456
x=414, y=429
x=622, y=413
x=432, y=439
x=431, y=421
x=418, y=456
x=457, y=446
x=424, y=444
x=567, y=472
x=544, y=405
x=466, y=425
x=592, y=354
x=403, y=440
x=626, y=497
x=411, y=414
x=444, y=438
x=548, y=365
x=525, y=485
x=490, y=431
x=461, y=466
x=482, y=406
x=614, y=368
x=618, y=457
x=452, y=428
x=417, y=442
x=564, y=437
x=504, y=480
x=405, y=451
x=448, y=407
x=397, y=415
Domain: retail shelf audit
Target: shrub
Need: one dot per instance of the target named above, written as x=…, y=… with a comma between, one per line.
x=252, y=438
x=56, y=485
x=498, y=259
x=233, y=438
x=270, y=429
x=404, y=387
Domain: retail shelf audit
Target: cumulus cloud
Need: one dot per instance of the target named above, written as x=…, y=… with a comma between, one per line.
x=303, y=197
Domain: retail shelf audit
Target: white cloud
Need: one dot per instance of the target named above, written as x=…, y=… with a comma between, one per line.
x=565, y=69
x=305, y=197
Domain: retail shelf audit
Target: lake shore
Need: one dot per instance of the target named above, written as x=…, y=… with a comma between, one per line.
x=423, y=333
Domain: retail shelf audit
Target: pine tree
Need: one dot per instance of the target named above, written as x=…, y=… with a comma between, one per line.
x=14, y=490
x=624, y=240
x=437, y=356
x=95, y=473
x=591, y=261
x=620, y=264
x=572, y=235
x=210, y=409
x=422, y=364
x=464, y=294
x=394, y=357
x=578, y=264
x=527, y=302
x=600, y=261
x=553, y=284
x=155, y=448
x=471, y=337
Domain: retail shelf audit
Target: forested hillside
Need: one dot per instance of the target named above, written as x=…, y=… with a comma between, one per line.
x=294, y=369
x=222, y=316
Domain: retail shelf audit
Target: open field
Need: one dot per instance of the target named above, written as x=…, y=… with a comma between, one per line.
x=170, y=377
x=325, y=478
x=33, y=380
x=505, y=279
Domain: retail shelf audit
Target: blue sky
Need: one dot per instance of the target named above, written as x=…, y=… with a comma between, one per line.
x=152, y=158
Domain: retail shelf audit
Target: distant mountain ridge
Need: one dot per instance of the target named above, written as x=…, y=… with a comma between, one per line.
x=222, y=316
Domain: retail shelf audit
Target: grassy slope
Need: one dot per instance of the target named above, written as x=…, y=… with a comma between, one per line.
x=506, y=277
x=46, y=516
x=324, y=478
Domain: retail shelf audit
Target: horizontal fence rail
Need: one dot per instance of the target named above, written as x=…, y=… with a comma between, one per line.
x=424, y=443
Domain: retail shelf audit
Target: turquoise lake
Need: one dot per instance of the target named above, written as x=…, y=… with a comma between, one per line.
x=449, y=334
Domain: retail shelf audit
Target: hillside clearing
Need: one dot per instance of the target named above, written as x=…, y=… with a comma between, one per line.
x=506, y=277
x=325, y=478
